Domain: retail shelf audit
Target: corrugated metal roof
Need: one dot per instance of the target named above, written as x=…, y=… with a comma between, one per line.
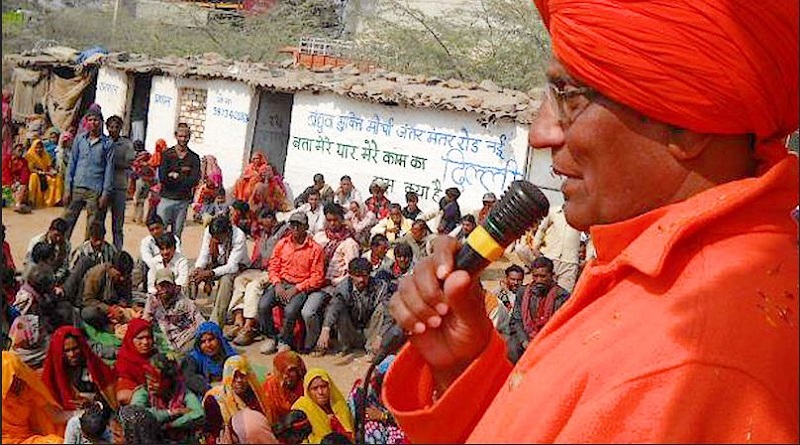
x=486, y=99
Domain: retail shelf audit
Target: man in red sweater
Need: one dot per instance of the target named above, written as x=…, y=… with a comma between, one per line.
x=296, y=269
x=667, y=121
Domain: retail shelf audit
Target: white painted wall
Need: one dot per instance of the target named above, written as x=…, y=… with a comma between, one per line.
x=230, y=118
x=230, y=111
x=323, y=126
x=112, y=90
x=162, y=112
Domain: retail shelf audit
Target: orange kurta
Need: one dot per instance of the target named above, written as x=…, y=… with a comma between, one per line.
x=685, y=329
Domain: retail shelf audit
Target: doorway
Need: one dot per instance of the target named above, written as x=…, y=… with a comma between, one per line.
x=140, y=102
x=271, y=135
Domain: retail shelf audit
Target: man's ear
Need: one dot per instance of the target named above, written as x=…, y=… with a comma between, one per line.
x=685, y=145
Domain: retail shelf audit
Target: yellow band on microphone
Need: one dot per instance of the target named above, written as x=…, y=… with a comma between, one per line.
x=484, y=244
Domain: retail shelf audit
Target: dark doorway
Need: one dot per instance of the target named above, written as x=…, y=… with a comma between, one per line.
x=271, y=134
x=139, y=105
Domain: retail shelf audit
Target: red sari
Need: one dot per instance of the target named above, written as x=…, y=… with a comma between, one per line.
x=133, y=367
x=282, y=399
x=250, y=178
x=55, y=376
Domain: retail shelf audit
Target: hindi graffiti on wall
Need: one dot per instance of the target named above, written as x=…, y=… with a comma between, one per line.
x=425, y=151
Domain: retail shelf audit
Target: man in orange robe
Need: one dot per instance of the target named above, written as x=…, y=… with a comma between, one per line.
x=666, y=120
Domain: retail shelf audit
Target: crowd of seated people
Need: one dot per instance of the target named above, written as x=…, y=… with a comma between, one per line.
x=116, y=349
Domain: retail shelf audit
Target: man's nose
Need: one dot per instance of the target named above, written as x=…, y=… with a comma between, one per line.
x=545, y=130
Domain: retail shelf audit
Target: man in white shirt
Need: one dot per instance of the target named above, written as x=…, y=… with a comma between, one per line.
x=313, y=211
x=223, y=254
x=148, y=249
x=558, y=241
x=347, y=193
x=170, y=259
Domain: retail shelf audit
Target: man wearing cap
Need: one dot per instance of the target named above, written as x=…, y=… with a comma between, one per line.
x=296, y=269
x=89, y=181
x=667, y=121
x=176, y=315
x=488, y=201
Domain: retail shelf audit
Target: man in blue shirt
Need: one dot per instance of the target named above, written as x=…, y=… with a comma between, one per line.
x=90, y=174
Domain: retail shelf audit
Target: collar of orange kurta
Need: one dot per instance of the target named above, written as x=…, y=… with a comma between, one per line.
x=644, y=242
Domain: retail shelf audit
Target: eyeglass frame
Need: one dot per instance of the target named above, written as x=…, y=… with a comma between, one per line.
x=557, y=97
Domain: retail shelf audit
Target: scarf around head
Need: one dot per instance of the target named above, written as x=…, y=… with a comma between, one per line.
x=320, y=423
x=710, y=66
x=229, y=402
x=210, y=368
x=280, y=397
x=130, y=363
x=55, y=371
x=38, y=161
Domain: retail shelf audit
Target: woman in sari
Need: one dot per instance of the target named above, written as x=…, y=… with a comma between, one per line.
x=8, y=137
x=28, y=341
x=50, y=142
x=240, y=389
x=203, y=366
x=252, y=175
x=177, y=410
x=380, y=426
x=155, y=189
x=270, y=192
x=19, y=178
x=29, y=412
x=210, y=182
x=325, y=406
x=45, y=185
x=77, y=377
x=136, y=359
x=285, y=384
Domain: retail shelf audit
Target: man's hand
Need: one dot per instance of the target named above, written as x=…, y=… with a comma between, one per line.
x=291, y=292
x=324, y=340
x=444, y=311
x=102, y=203
x=280, y=291
x=65, y=199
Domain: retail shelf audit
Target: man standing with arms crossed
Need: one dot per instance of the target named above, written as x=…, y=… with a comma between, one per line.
x=123, y=157
x=90, y=175
x=667, y=121
x=179, y=174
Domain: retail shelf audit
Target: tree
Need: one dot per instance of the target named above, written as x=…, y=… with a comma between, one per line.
x=501, y=40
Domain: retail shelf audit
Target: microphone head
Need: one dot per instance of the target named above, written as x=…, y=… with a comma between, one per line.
x=521, y=206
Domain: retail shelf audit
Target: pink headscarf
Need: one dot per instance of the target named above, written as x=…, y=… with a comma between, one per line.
x=212, y=170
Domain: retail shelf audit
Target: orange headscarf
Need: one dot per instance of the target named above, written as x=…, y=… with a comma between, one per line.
x=710, y=66
x=280, y=397
x=155, y=161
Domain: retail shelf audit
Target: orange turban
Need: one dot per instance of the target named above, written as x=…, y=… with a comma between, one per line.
x=710, y=66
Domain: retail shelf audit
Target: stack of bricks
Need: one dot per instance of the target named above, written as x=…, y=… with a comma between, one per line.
x=193, y=111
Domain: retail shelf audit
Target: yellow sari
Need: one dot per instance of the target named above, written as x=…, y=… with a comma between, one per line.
x=320, y=422
x=229, y=403
x=55, y=183
x=28, y=416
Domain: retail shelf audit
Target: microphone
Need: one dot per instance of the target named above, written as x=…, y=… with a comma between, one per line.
x=520, y=208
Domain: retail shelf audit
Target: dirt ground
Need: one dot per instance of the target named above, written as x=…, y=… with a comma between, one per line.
x=21, y=228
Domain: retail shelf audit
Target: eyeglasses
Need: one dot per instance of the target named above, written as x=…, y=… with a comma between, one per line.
x=558, y=99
